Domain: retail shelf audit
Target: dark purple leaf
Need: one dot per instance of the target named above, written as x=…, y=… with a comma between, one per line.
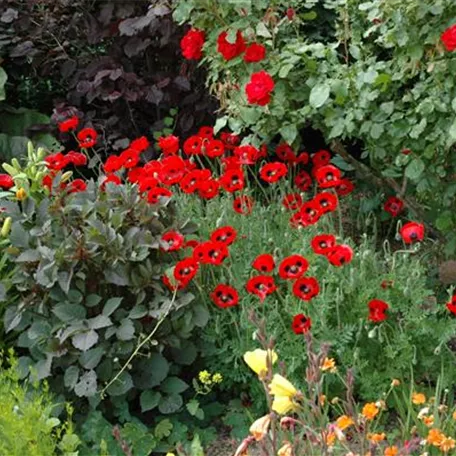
x=68, y=68
x=135, y=46
x=154, y=95
x=24, y=49
x=182, y=82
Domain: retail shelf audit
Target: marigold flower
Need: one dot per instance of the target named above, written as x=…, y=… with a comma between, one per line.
x=344, y=421
x=329, y=364
x=283, y=405
x=257, y=360
x=280, y=386
x=428, y=420
x=285, y=450
x=260, y=427
x=376, y=438
x=447, y=444
x=370, y=411
x=435, y=437
x=391, y=451
x=418, y=398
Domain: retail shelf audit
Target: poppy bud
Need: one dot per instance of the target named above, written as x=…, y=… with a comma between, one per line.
x=6, y=227
x=290, y=14
x=66, y=176
x=30, y=150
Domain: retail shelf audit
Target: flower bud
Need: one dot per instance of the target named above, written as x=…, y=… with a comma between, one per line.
x=9, y=169
x=30, y=150
x=66, y=176
x=21, y=194
x=6, y=227
x=16, y=164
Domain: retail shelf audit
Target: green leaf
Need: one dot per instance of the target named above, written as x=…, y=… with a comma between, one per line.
x=289, y=133
x=149, y=400
x=262, y=30
x=126, y=330
x=170, y=404
x=319, y=95
x=200, y=315
x=196, y=447
x=163, y=429
x=414, y=169
x=3, y=78
x=85, y=340
x=182, y=12
x=185, y=355
x=91, y=358
x=71, y=376
x=87, y=385
x=285, y=69
x=122, y=385
x=173, y=385
x=452, y=132
x=111, y=306
x=69, y=312
x=220, y=123
x=98, y=322
x=28, y=256
x=310, y=16
x=193, y=407
x=18, y=236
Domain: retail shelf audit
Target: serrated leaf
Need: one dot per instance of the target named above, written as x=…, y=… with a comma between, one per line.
x=319, y=95
x=170, y=404
x=192, y=406
x=149, y=400
x=85, y=340
x=173, y=385
x=163, y=429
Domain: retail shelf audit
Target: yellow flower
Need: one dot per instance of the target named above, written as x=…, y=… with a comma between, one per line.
x=217, y=378
x=454, y=415
x=418, y=398
x=447, y=444
x=170, y=454
x=331, y=439
x=376, y=438
x=435, y=437
x=395, y=382
x=391, y=451
x=428, y=420
x=370, y=411
x=329, y=365
x=21, y=194
x=280, y=386
x=205, y=377
x=344, y=422
x=257, y=360
x=282, y=405
x=285, y=450
x=260, y=427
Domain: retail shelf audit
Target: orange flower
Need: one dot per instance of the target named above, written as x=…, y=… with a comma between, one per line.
x=428, y=420
x=344, y=422
x=435, y=437
x=331, y=439
x=395, y=382
x=376, y=438
x=329, y=365
x=322, y=399
x=260, y=427
x=418, y=398
x=391, y=451
x=370, y=411
x=447, y=444
x=454, y=415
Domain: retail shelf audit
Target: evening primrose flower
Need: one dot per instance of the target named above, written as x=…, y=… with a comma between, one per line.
x=285, y=450
x=257, y=360
x=418, y=398
x=260, y=427
x=329, y=365
x=280, y=386
x=343, y=422
x=283, y=405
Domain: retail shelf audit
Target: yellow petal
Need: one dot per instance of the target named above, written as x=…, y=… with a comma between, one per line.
x=260, y=427
x=257, y=359
x=282, y=405
x=280, y=386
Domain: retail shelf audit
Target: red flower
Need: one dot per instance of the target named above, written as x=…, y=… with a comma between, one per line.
x=293, y=267
x=451, y=306
x=69, y=124
x=230, y=140
x=321, y=158
x=87, y=137
x=179, y=285
x=211, y=252
x=230, y=50
x=393, y=206
x=154, y=195
x=247, y=155
x=147, y=183
x=328, y=176
x=377, y=309
x=136, y=175
x=225, y=234
x=344, y=187
x=129, y=158
x=327, y=202
x=208, y=189
x=302, y=158
x=259, y=89
x=303, y=181
x=6, y=181
x=292, y=201
x=56, y=161
x=322, y=244
x=387, y=284
x=193, y=145
x=254, y=53
x=285, y=152
x=185, y=270
x=412, y=232
x=406, y=151
x=340, y=255
x=76, y=158
x=290, y=13
x=306, y=288
x=206, y=132
x=192, y=44
x=448, y=38
x=243, y=205
x=272, y=172
x=301, y=324
x=225, y=296
x=113, y=179
x=309, y=214
x=261, y=286
x=78, y=185
x=169, y=144
x=140, y=144
x=232, y=180
x=173, y=241
x=264, y=263
x=214, y=148
x=190, y=182
x=112, y=164
x=172, y=170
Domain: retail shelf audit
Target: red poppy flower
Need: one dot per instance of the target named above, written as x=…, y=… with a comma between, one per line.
x=139, y=144
x=206, y=132
x=321, y=158
x=246, y=154
x=214, y=253
x=185, y=270
x=393, y=206
x=172, y=170
x=309, y=214
x=208, y=189
x=254, y=53
x=154, y=194
x=225, y=296
x=293, y=267
x=292, y=201
x=153, y=168
x=259, y=88
x=147, y=183
x=230, y=50
x=230, y=140
x=285, y=152
x=264, y=263
x=301, y=324
x=232, y=180
x=169, y=145
x=344, y=187
x=129, y=158
x=113, y=179
x=377, y=310
x=261, y=286
x=136, y=175
x=306, y=288
x=173, y=241
x=112, y=164
x=193, y=145
x=302, y=158
x=214, y=148
x=232, y=162
x=225, y=234
x=199, y=252
x=192, y=44
x=322, y=244
x=6, y=181
x=412, y=232
x=303, y=181
x=78, y=185
x=327, y=176
x=76, y=158
x=191, y=181
x=87, y=137
x=448, y=38
x=192, y=243
x=243, y=205
x=451, y=306
x=56, y=161
x=327, y=202
x=272, y=172
x=68, y=124
x=340, y=255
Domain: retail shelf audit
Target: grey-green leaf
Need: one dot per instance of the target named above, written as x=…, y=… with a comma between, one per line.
x=319, y=95
x=149, y=400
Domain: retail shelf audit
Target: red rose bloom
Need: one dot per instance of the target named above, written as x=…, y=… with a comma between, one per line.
x=140, y=144
x=340, y=255
x=78, y=185
x=264, y=263
x=193, y=145
x=301, y=324
x=321, y=158
x=285, y=153
x=230, y=50
x=169, y=145
x=214, y=148
x=273, y=172
x=259, y=89
x=129, y=158
x=254, y=53
x=412, y=232
x=393, y=206
x=154, y=195
x=56, y=161
x=173, y=241
x=6, y=181
x=192, y=44
x=76, y=158
x=225, y=296
x=306, y=288
x=232, y=180
x=292, y=201
x=185, y=270
x=448, y=38
x=69, y=124
x=243, y=205
x=377, y=310
x=322, y=244
x=303, y=181
x=451, y=306
x=208, y=189
x=327, y=202
x=293, y=267
x=225, y=234
x=327, y=176
x=112, y=164
x=261, y=286
x=290, y=13
x=344, y=187
x=87, y=137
